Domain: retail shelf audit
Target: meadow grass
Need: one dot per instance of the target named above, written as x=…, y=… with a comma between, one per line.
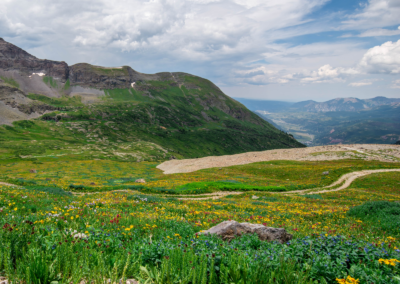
x=49, y=235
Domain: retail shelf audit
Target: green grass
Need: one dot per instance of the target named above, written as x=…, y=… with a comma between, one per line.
x=383, y=215
x=158, y=114
x=10, y=81
x=50, y=81
x=57, y=102
x=50, y=190
x=204, y=187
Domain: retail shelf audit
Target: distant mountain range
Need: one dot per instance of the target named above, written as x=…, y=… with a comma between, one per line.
x=338, y=104
x=343, y=104
x=342, y=120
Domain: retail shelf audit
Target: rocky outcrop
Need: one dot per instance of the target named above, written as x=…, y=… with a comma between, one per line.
x=87, y=75
x=13, y=58
x=228, y=230
x=15, y=105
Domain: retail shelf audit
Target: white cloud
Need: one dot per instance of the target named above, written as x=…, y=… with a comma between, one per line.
x=328, y=74
x=384, y=58
x=232, y=42
x=374, y=14
x=380, y=32
x=375, y=33
x=360, y=84
x=195, y=30
x=396, y=84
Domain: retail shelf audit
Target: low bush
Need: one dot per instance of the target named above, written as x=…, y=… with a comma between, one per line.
x=383, y=214
x=145, y=198
x=313, y=196
x=51, y=190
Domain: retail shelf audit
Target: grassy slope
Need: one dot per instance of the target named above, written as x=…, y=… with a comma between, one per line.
x=183, y=122
x=99, y=175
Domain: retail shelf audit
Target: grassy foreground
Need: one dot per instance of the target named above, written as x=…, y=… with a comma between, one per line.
x=48, y=234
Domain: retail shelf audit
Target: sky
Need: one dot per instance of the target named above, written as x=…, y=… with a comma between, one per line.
x=290, y=50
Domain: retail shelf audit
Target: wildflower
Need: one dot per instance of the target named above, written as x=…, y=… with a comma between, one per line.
x=391, y=262
x=348, y=280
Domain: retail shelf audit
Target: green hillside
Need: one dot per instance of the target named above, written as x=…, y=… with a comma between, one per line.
x=156, y=120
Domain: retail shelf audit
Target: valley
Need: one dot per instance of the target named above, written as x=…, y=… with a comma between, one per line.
x=374, y=121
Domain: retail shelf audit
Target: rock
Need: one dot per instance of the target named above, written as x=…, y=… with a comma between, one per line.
x=325, y=173
x=14, y=58
x=141, y=180
x=255, y=197
x=228, y=230
x=32, y=171
x=131, y=281
x=172, y=158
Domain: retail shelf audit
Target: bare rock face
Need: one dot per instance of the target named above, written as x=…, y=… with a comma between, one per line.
x=228, y=230
x=87, y=75
x=15, y=58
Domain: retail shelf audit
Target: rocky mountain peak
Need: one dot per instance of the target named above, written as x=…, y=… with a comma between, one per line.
x=10, y=51
x=15, y=59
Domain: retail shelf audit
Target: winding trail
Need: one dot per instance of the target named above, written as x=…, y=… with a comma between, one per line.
x=8, y=184
x=214, y=195
x=346, y=179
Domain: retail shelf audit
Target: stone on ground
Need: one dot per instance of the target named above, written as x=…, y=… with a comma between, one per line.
x=228, y=230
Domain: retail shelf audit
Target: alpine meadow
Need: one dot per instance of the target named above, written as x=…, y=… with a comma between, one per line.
x=269, y=171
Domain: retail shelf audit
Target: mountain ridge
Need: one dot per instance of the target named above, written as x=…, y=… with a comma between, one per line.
x=343, y=104
x=169, y=114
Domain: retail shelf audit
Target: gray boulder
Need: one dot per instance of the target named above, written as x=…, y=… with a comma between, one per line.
x=228, y=230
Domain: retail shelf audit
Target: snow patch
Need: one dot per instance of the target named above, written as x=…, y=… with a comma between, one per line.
x=39, y=74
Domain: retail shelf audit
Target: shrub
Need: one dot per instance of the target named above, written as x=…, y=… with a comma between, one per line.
x=51, y=190
x=313, y=196
x=384, y=214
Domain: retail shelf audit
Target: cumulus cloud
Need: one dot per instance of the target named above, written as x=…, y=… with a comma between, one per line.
x=384, y=58
x=381, y=59
x=195, y=30
x=328, y=74
x=231, y=42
